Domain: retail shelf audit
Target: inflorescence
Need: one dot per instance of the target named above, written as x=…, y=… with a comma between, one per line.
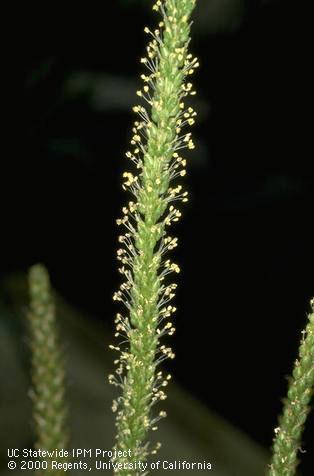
x=288, y=435
x=159, y=135
x=48, y=381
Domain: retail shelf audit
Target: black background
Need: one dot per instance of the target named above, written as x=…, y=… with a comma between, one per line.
x=246, y=240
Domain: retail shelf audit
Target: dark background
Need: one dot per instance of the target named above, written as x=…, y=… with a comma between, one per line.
x=246, y=239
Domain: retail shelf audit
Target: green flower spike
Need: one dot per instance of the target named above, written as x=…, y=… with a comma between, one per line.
x=47, y=368
x=287, y=441
x=158, y=137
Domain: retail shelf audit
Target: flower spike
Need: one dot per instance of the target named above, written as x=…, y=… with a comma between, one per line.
x=158, y=134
